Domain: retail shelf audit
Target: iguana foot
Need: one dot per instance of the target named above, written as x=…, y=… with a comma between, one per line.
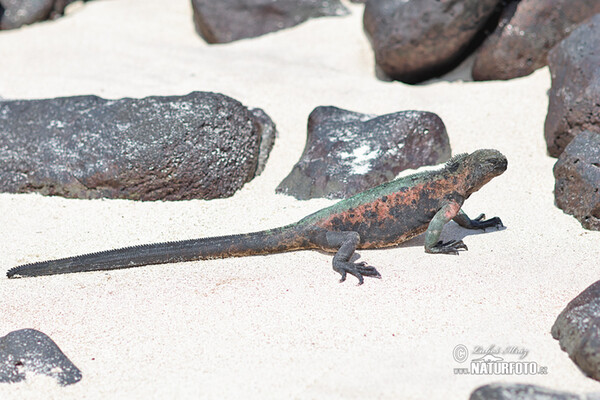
x=481, y=223
x=477, y=223
x=346, y=243
x=451, y=247
x=358, y=270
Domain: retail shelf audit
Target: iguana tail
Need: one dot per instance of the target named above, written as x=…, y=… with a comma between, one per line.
x=263, y=242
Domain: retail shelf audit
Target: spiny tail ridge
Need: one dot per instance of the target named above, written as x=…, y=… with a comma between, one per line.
x=264, y=242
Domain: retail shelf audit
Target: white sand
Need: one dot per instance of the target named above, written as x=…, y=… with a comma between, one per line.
x=282, y=326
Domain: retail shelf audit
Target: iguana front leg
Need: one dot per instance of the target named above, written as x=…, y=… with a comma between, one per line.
x=478, y=223
x=432, y=243
x=345, y=242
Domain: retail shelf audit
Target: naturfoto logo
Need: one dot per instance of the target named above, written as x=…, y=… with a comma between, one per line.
x=495, y=360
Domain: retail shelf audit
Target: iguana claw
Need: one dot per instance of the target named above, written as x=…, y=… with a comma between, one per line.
x=488, y=223
x=451, y=247
x=358, y=270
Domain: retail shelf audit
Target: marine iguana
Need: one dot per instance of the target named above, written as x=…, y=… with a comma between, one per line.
x=383, y=216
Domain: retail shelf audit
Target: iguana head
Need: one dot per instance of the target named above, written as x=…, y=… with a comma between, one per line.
x=479, y=167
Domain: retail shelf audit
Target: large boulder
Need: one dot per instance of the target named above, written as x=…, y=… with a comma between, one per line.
x=577, y=173
x=577, y=329
x=528, y=29
x=199, y=146
x=348, y=152
x=224, y=21
x=574, y=97
x=417, y=40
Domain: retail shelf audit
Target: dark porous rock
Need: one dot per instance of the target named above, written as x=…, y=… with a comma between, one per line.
x=30, y=351
x=267, y=132
x=348, y=152
x=417, y=40
x=17, y=13
x=199, y=146
x=224, y=21
x=577, y=174
x=528, y=29
x=577, y=329
x=515, y=391
x=574, y=97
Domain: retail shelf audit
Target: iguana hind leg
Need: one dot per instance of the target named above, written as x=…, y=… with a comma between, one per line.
x=345, y=242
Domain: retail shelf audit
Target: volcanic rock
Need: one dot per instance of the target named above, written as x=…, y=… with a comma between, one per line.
x=348, y=152
x=198, y=146
x=418, y=40
x=528, y=29
x=577, y=329
x=27, y=350
x=574, y=97
x=577, y=174
x=224, y=21
x=516, y=391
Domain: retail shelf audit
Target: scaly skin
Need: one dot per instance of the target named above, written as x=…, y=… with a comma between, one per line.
x=383, y=216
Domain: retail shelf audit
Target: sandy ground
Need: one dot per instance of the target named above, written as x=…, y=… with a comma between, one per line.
x=282, y=326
